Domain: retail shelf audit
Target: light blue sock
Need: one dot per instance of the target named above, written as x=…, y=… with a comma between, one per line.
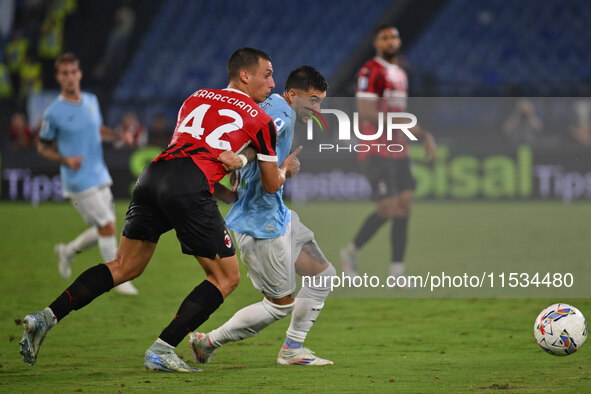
x=291, y=344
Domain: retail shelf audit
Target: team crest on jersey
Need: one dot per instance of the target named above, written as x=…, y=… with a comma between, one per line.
x=227, y=240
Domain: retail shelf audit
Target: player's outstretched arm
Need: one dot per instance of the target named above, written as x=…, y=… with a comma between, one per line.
x=47, y=150
x=108, y=135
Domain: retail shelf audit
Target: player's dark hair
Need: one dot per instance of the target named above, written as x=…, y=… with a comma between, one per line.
x=67, y=57
x=244, y=58
x=379, y=29
x=305, y=78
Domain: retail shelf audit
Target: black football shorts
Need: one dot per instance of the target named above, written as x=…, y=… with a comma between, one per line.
x=175, y=194
x=388, y=177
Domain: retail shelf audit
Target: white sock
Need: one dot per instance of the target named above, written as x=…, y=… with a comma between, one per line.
x=88, y=238
x=108, y=247
x=308, y=305
x=53, y=318
x=397, y=268
x=161, y=342
x=248, y=322
x=304, y=316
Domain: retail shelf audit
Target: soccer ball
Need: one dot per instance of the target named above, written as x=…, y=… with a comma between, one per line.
x=560, y=329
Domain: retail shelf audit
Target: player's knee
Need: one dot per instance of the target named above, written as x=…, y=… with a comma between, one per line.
x=329, y=272
x=276, y=310
x=321, y=283
x=107, y=230
x=228, y=283
x=383, y=212
x=124, y=269
x=404, y=204
x=135, y=271
x=386, y=211
x=234, y=280
x=403, y=210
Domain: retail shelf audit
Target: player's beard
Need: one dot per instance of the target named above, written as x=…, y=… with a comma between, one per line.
x=390, y=55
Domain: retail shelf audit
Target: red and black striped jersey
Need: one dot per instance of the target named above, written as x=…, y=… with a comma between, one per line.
x=387, y=84
x=213, y=120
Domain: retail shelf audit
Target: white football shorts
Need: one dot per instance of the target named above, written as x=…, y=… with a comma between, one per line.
x=271, y=262
x=95, y=205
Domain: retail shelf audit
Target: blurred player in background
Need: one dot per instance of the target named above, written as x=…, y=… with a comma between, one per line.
x=71, y=135
x=274, y=244
x=175, y=191
x=382, y=86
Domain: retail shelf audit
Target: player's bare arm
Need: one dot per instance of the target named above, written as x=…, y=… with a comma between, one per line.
x=108, y=135
x=224, y=194
x=428, y=142
x=48, y=151
x=368, y=109
x=250, y=153
x=232, y=161
x=295, y=165
x=273, y=177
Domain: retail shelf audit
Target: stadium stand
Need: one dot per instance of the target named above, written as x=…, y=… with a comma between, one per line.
x=198, y=37
x=453, y=47
x=488, y=48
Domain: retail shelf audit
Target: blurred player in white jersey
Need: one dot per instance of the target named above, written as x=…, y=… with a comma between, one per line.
x=71, y=135
x=274, y=244
x=382, y=86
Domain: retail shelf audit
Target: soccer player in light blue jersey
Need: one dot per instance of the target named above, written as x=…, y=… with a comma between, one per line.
x=71, y=135
x=274, y=244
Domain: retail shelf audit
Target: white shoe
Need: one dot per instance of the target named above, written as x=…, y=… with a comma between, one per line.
x=36, y=326
x=301, y=356
x=349, y=259
x=160, y=358
x=201, y=347
x=65, y=260
x=126, y=288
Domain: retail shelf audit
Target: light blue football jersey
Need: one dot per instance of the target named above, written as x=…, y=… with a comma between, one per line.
x=76, y=129
x=258, y=213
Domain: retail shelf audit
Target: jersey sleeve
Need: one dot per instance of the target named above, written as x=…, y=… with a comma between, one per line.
x=281, y=122
x=48, y=131
x=266, y=142
x=367, y=82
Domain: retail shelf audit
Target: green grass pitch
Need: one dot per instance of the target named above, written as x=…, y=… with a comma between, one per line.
x=402, y=344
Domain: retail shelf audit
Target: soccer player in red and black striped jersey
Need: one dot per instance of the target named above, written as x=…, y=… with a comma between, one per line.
x=382, y=86
x=175, y=191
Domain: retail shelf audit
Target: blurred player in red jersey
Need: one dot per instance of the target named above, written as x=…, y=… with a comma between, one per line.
x=382, y=86
x=175, y=191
